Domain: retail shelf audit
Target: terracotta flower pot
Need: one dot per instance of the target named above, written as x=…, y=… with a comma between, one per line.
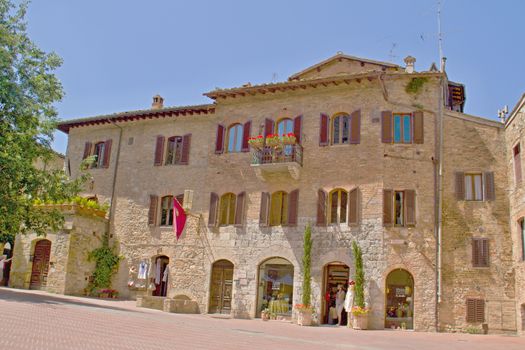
x=304, y=318
x=360, y=321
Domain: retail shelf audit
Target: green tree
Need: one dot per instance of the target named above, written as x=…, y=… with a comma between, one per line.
x=307, y=262
x=359, y=293
x=28, y=92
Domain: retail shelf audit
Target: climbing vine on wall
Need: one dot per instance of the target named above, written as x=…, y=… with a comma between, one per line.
x=106, y=264
x=415, y=85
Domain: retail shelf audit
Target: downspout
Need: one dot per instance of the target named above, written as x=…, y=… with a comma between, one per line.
x=113, y=199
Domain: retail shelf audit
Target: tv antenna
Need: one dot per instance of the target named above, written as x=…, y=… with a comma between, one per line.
x=274, y=77
x=440, y=36
x=391, y=56
x=502, y=113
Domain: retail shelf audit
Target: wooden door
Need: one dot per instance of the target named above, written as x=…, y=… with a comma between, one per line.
x=221, y=287
x=40, y=264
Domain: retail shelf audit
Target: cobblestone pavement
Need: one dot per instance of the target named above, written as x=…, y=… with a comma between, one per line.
x=39, y=320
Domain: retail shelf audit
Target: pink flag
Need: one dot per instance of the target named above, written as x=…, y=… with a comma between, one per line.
x=180, y=218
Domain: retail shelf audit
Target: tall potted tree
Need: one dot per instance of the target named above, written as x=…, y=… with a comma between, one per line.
x=304, y=310
x=359, y=310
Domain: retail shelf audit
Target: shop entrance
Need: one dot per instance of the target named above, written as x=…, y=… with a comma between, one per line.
x=221, y=287
x=40, y=264
x=334, y=274
x=399, y=300
x=161, y=275
x=275, y=291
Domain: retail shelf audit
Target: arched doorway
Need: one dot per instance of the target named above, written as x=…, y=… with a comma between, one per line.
x=334, y=274
x=40, y=267
x=160, y=275
x=275, y=291
x=221, y=286
x=399, y=305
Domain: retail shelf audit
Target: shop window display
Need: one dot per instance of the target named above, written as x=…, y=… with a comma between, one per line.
x=276, y=287
x=399, y=300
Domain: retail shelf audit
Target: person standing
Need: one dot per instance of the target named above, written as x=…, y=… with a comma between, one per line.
x=3, y=262
x=339, y=302
x=349, y=302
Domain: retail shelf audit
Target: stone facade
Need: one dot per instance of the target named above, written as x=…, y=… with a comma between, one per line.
x=339, y=85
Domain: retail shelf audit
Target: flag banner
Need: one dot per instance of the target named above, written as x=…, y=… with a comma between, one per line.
x=180, y=218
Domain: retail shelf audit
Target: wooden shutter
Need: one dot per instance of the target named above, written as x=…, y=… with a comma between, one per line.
x=107, y=153
x=419, y=131
x=475, y=310
x=321, y=207
x=388, y=205
x=293, y=206
x=475, y=252
x=185, y=153
x=489, y=186
x=268, y=127
x=297, y=127
x=484, y=256
x=460, y=186
x=355, y=127
x=87, y=150
x=239, y=209
x=219, y=141
x=159, y=151
x=265, y=206
x=410, y=207
x=480, y=252
x=214, y=203
x=353, y=206
x=480, y=310
x=246, y=136
x=471, y=310
x=517, y=163
x=152, y=214
x=386, y=127
x=323, y=130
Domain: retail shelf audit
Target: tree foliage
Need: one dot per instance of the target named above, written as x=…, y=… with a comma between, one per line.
x=359, y=293
x=307, y=262
x=28, y=91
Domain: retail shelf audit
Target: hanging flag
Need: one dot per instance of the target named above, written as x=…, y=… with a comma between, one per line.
x=179, y=218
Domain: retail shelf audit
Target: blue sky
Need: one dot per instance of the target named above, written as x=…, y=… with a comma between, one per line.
x=119, y=53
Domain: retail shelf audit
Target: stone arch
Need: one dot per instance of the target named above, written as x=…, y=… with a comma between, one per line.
x=399, y=299
x=275, y=285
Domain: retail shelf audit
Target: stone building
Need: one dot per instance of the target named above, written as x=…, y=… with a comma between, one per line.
x=365, y=167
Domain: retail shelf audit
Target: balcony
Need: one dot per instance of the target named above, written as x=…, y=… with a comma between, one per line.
x=282, y=160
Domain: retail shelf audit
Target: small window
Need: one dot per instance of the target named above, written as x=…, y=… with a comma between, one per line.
x=522, y=234
x=174, y=151
x=235, y=138
x=402, y=128
x=284, y=127
x=473, y=187
x=517, y=163
x=475, y=310
x=166, y=218
x=227, y=209
x=399, y=208
x=340, y=129
x=279, y=208
x=99, y=155
x=480, y=252
x=338, y=206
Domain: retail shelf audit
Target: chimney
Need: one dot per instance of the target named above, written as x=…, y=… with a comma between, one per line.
x=409, y=60
x=158, y=102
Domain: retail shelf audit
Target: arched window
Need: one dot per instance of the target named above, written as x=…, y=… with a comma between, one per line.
x=227, y=209
x=338, y=205
x=284, y=126
x=99, y=154
x=340, y=129
x=235, y=138
x=174, y=151
x=166, y=218
x=279, y=208
x=399, y=295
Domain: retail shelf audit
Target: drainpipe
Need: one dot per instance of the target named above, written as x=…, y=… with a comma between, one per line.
x=113, y=199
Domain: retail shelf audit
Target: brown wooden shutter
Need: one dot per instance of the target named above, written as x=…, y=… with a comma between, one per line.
x=475, y=310
x=107, y=153
x=484, y=252
x=246, y=136
x=268, y=127
x=159, y=151
x=460, y=186
x=265, y=206
x=214, y=204
x=185, y=154
x=419, y=131
x=410, y=207
x=297, y=127
x=152, y=214
x=387, y=207
x=321, y=207
x=386, y=127
x=353, y=206
x=480, y=310
x=323, y=130
x=489, y=186
x=293, y=205
x=239, y=209
x=219, y=141
x=480, y=252
x=355, y=127
x=517, y=163
x=87, y=150
x=471, y=310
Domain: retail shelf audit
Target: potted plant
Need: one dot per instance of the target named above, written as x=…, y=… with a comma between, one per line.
x=256, y=141
x=273, y=140
x=304, y=314
x=359, y=310
x=289, y=139
x=305, y=310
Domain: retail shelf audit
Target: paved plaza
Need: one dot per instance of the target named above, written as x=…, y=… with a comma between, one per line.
x=39, y=320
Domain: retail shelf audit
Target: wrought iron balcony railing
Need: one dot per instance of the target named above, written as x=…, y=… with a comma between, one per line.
x=276, y=155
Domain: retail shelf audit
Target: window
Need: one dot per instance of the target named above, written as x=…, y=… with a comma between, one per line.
x=166, y=218
x=475, y=310
x=279, y=208
x=235, y=138
x=340, y=129
x=227, y=209
x=402, y=128
x=284, y=126
x=480, y=252
x=399, y=208
x=522, y=234
x=517, y=163
x=473, y=187
x=99, y=155
x=338, y=206
x=174, y=151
